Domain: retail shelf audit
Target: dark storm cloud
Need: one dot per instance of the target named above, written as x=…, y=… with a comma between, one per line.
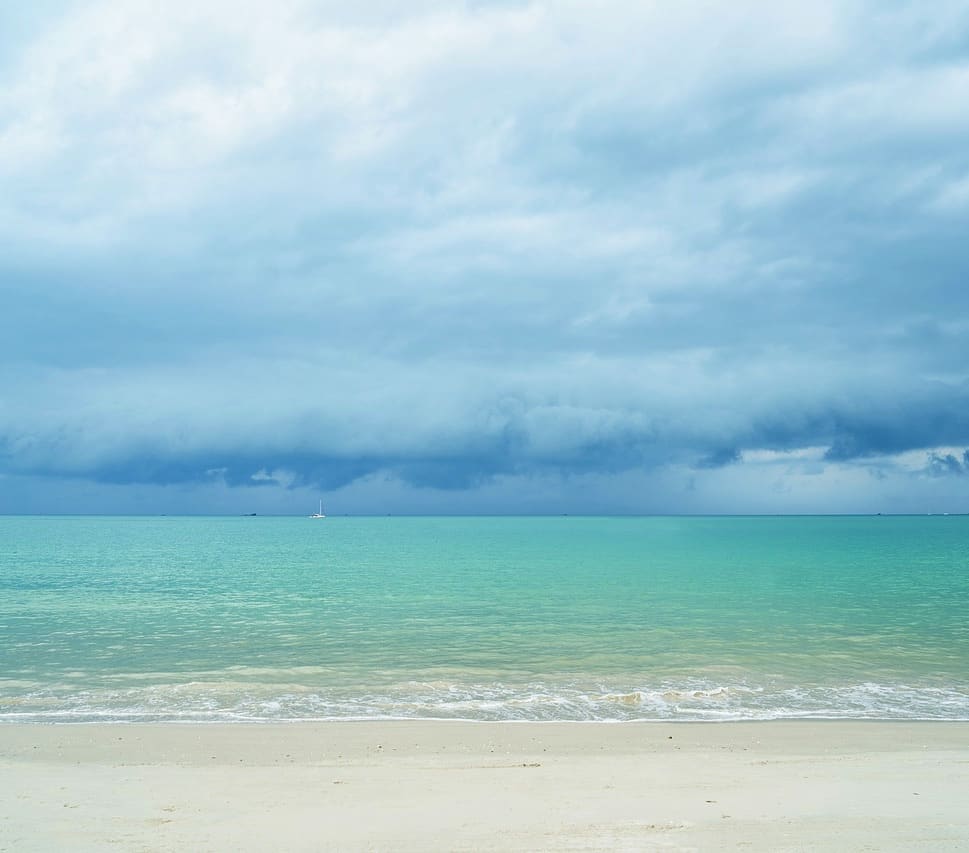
x=456, y=245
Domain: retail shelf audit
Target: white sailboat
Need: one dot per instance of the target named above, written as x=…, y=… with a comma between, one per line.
x=320, y=513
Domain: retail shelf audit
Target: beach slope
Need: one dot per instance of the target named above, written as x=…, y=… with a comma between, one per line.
x=478, y=786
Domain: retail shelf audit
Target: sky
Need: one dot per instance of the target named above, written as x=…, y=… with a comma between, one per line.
x=484, y=257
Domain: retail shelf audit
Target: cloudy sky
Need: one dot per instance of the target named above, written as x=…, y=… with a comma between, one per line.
x=484, y=256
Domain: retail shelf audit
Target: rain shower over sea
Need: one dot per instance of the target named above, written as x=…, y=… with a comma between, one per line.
x=565, y=618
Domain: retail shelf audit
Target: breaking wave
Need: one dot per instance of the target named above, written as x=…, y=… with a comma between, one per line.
x=240, y=700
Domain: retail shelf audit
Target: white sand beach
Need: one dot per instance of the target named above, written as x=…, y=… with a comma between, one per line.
x=481, y=786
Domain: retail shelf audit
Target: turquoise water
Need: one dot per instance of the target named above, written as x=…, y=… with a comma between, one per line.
x=484, y=618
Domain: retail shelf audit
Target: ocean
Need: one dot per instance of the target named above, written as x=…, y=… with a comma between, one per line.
x=556, y=618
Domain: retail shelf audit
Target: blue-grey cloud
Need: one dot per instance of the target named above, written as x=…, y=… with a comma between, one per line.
x=721, y=457
x=943, y=465
x=455, y=247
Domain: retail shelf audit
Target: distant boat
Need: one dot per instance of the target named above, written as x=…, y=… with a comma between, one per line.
x=320, y=513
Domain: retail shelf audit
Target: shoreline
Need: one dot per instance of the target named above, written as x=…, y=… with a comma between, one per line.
x=286, y=722
x=449, y=784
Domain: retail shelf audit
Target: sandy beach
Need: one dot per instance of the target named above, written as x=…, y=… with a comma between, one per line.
x=479, y=786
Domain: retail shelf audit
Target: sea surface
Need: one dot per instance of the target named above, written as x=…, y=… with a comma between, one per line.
x=564, y=618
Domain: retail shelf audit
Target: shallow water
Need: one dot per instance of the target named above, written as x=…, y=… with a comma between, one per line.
x=484, y=618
